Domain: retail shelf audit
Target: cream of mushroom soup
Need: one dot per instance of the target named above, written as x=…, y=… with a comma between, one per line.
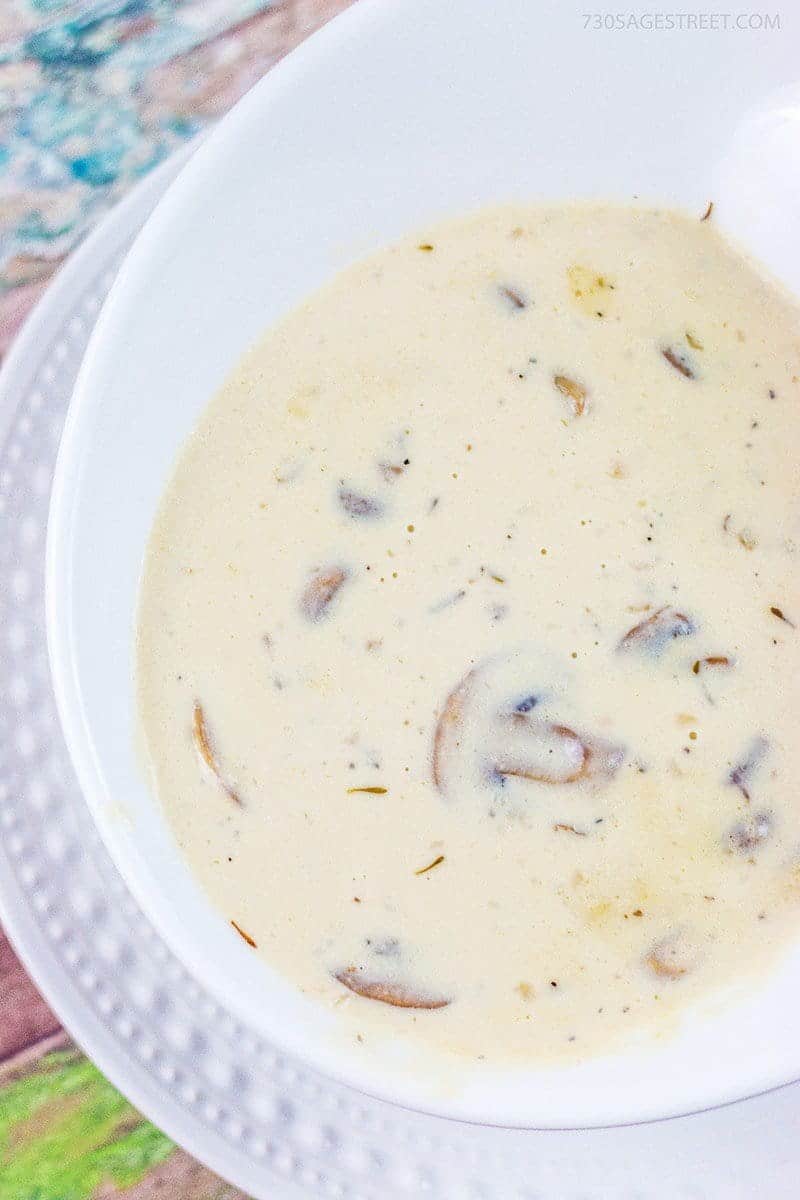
x=468, y=648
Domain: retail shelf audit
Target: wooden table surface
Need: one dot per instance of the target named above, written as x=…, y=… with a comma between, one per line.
x=65, y=1133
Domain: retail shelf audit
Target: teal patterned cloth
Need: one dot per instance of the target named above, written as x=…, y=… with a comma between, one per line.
x=93, y=95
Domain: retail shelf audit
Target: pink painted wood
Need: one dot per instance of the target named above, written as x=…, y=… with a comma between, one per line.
x=24, y=1016
x=29, y=1030
x=255, y=45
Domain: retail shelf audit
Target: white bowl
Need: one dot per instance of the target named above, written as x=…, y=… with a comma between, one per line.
x=398, y=112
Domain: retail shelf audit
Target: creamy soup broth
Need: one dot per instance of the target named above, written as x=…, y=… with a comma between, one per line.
x=467, y=652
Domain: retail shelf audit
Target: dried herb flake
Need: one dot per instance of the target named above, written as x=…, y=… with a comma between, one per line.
x=244, y=935
x=436, y=862
x=777, y=612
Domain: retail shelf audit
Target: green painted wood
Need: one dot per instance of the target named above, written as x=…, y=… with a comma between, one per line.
x=67, y=1134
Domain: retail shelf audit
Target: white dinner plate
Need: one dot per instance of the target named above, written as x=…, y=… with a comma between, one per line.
x=262, y=1121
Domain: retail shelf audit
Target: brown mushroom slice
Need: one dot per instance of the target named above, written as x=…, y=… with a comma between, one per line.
x=654, y=634
x=711, y=672
x=391, y=471
x=479, y=739
x=514, y=297
x=748, y=836
x=601, y=758
x=575, y=392
x=680, y=361
x=446, y=734
x=549, y=753
x=539, y=752
x=359, y=506
x=320, y=590
x=203, y=745
x=672, y=956
x=398, y=995
x=447, y=601
x=712, y=662
x=740, y=775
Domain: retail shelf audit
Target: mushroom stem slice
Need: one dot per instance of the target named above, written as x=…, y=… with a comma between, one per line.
x=672, y=956
x=654, y=634
x=320, y=591
x=554, y=753
x=679, y=361
x=514, y=296
x=356, y=504
x=203, y=745
x=575, y=392
x=398, y=995
x=445, y=737
x=479, y=739
x=740, y=775
x=748, y=836
x=541, y=753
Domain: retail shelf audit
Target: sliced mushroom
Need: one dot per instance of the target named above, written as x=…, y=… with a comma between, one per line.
x=448, y=601
x=744, y=536
x=482, y=738
x=672, y=956
x=399, y=995
x=446, y=735
x=203, y=745
x=393, y=460
x=514, y=296
x=747, y=836
x=391, y=471
x=575, y=392
x=711, y=672
x=546, y=753
x=712, y=662
x=654, y=634
x=741, y=774
x=680, y=361
x=320, y=591
x=355, y=504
